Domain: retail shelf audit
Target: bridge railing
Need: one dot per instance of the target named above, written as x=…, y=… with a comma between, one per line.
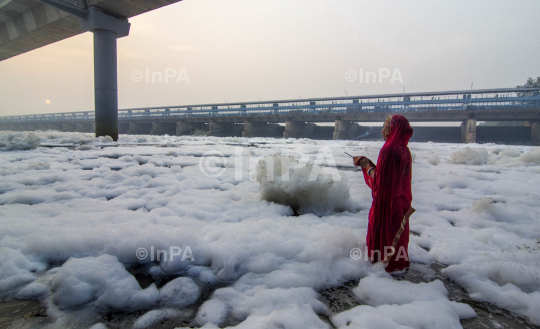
x=499, y=99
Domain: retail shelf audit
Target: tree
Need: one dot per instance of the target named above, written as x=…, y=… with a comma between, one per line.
x=531, y=83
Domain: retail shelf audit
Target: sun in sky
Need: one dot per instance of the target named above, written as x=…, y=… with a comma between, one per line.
x=48, y=101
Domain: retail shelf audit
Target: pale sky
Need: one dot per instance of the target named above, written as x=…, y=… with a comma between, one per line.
x=239, y=50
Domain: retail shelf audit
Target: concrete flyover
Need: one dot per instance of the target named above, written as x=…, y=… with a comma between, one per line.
x=299, y=118
x=26, y=25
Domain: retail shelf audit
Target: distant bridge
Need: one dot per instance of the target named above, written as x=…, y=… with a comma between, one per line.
x=252, y=119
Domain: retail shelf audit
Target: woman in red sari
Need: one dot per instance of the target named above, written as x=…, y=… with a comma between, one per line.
x=390, y=180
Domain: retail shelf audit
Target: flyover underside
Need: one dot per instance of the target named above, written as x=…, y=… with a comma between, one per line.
x=49, y=29
x=28, y=25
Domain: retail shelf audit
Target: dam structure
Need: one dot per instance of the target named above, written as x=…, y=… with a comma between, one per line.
x=302, y=116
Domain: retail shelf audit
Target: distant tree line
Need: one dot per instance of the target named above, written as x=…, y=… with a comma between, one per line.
x=531, y=83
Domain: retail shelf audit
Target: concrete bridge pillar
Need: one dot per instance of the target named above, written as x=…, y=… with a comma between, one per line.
x=33, y=126
x=298, y=129
x=6, y=126
x=345, y=130
x=183, y=128
x=44, y=126
x=123, y=127
x=162, y=128
x=259, y=129
x=535, y=133
x=69, y=127
x=191, y=128
x=57, y=126
x=468, y=131
x=224, y=129
x=21, y=127
x=106, y=30
x=85, y=127
x=140, y=128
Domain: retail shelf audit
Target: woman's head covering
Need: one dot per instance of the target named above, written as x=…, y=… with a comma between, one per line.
x=400, y=131
x=394, y=156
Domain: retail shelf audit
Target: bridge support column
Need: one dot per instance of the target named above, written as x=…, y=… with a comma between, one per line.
x=345, y=130
x=106, y=30
x=85, y=127
x=163, y=128
x=28, y=126
x=57, y=126
x=468, y=131
x=105, y=84
x=191, y=128
x=21, y=127
x=535, y=133
x=123, y=127
x=139, y=128
x=183, y=128
x=225, y=129
x=259, y=129
x=298, y=129
x=45, y=126
x=69, y=127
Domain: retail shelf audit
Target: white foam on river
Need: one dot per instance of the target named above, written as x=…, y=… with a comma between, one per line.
x=72, y=219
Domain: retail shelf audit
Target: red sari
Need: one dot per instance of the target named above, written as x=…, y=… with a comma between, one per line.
x=392, y=197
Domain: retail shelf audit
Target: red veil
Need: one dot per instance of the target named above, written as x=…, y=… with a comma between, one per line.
x=392, y=197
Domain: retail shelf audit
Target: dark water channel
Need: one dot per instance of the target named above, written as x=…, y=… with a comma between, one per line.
x=488, y=316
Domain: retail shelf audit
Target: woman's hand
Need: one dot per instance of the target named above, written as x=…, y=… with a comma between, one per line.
x=361, y=161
